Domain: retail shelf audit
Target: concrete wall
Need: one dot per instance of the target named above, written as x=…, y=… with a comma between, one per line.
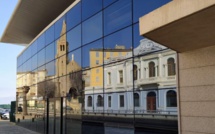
x=197, y=91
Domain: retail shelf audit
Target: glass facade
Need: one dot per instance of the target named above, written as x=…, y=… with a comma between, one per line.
x=96, y=60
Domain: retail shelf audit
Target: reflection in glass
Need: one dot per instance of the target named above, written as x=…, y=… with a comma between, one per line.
x=107, y=2
x=118, y=46
x=41, y=42
x=92, y=25
x=74, y=38
x=41, y=58
x=59, y=26
x=50, y=68
x=92, y=55
x=90, y=7
x=50, y=52
x=73, y=17
x=32, y=49
x=74, y=61
x=117, y=16
x=136, y=35
x=142, y=7
x=49, y=35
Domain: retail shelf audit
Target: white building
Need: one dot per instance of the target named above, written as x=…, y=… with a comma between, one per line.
x=147, y=86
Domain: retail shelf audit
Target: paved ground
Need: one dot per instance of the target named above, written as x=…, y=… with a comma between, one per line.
x=9, y=128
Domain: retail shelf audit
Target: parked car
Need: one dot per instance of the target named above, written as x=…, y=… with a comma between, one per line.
x=6, y=116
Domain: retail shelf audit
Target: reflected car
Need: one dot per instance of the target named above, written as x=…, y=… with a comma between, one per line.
x=6, y=116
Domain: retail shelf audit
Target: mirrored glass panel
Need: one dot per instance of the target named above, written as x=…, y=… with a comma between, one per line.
x=50, y=70
x=41, y=42
x=108, y=2
x=60, y=27
x=41, y=74
x=61, y=66
x=74, y=38
x=74, y=61
x=92, y=55
x=33, y=48
x=34, y=62
x=28, y=65
x=117, y=16
x=50, y=52
x=41, y=58
x=118, y=46
x=90, y=7
x=92, y=28
x=142, y=7
x=49, y=35
x=73, y=17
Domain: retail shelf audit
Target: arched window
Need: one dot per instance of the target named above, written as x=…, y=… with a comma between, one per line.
x=136, y=100
x=89, y=101
x=100, y=101
x=151, y=69
x=135, y=72
x=171, y=99
x=171, y=66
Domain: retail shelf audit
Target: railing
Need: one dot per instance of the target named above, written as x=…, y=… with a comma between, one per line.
x=130, y=112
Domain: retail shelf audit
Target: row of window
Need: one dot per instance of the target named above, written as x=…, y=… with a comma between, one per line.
x=171, y=100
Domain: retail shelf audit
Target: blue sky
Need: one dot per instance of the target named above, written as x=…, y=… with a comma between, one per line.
x=8, y=54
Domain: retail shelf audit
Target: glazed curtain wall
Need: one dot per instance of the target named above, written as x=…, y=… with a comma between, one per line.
x=88, y=56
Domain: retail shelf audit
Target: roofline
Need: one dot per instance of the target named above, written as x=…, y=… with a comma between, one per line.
x=55, y=20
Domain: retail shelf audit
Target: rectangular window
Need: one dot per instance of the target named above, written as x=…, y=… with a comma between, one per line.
x=97, y=79
x=120, y=76
x=109, y=101
x=121, y=100
x=97, y=62
x=97, y=54
x=109, y=77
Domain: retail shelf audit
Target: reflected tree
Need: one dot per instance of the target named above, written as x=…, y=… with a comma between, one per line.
x=46, y=89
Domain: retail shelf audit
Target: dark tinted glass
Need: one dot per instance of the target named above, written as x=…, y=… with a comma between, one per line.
x=50, y=68
x=92, y=28
x=50, y=52
x=73, y=17
x=60, y=27
x=74, y=61
x=142, y=7
x=108, y=2
x=90, y=59
x=74, y=38
x=41, y=58
x=136, y=35
x=117, y=16
x=41, y=42
x=49, y=35
x=90, y=7
x=33, y=48
x=34, y=62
